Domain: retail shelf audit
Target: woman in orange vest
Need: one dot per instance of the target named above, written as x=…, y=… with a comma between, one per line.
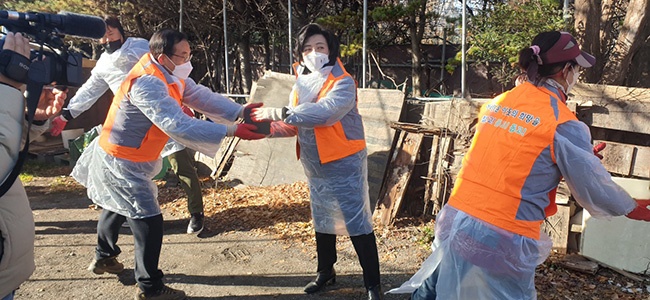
x=488, y=240
x=323, y=113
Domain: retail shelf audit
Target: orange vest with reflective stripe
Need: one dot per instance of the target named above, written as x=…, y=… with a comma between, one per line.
x=331, y=141
x=154, y=140
x=515, y=129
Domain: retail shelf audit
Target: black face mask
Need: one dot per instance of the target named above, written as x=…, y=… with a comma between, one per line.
x=110, y=47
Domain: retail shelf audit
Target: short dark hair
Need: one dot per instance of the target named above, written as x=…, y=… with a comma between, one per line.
x=163, y=41
x=313, y=29
x=114, y=22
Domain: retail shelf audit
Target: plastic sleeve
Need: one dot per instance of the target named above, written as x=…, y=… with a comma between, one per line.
x=150, y=95
x=590, y=183
x=329, y=109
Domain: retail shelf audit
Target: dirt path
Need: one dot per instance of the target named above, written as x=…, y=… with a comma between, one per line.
x=244, y=256
x=229, y=265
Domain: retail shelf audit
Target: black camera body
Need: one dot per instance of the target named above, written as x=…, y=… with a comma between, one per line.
x=53, y=61
x=63, y=68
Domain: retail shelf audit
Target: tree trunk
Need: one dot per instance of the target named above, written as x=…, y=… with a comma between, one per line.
x=587, y=23
x=267, y=50
x=633, y=33
x=416, y=30
x=245, y=55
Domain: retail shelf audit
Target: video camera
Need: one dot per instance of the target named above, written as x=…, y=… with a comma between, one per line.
x=57, y=64
x=55, y=61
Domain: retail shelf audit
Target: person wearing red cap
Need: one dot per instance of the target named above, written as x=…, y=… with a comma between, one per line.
x=488, y=236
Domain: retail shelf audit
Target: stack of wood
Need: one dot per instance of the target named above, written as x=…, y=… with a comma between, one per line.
x=425, y=158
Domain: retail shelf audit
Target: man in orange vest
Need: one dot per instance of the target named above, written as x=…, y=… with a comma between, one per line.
x=118, y=166
x=488, y=237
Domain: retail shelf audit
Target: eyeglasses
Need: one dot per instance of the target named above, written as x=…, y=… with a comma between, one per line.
x=185, y=59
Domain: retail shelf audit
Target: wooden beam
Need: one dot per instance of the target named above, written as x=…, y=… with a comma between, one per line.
x=399, y=174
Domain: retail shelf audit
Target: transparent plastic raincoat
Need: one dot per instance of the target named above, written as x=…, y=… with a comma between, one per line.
x=125, y=187
x=108, y=73
x=473, y=259
x=340, y=202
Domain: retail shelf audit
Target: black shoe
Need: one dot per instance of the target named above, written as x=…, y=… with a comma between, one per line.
x=196, y=223
x=322, y=278
x=165, y=293
x=374, y=293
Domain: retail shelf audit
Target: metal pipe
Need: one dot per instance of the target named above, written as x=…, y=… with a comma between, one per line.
x=444, y=53
x=463, y=62
x=365, y=26
x=180, y=18
x=225, y=46
x=290, y=39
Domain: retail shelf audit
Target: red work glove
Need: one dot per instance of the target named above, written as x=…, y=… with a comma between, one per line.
x=245, y=132
x=248, y=110
x=57, y=125
x=641, y=212
x=188, y=111
x=599, y=148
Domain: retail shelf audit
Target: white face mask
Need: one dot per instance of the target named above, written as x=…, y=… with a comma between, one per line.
x=182, y=71
x=314, y=61
x=574, y=79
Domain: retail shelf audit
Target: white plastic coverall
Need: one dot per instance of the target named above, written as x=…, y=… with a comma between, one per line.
x=108, y=73
x=471, y=264
x=125, y=187
x=340, y=203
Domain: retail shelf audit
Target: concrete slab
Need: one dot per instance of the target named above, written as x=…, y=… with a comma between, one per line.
x=619, y=242
x=273, y=161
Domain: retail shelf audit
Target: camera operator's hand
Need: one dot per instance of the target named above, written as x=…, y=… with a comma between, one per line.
x=50, y=103
x=20, y=45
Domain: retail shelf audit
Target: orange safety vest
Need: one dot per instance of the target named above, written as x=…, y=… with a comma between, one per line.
x=331, y=141
x=515, y=129
x=153, y=140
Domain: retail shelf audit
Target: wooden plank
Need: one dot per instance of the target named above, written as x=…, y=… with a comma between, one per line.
x=399, y=170
x=431, y=172
x=416, y=128
x=443, y=178
x=580, y=264
x=226, y=149
x=557, y=227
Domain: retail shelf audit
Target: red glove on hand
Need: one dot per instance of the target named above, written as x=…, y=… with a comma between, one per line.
x=188, y=111
x=248, y=111
x=57, y=125
x=247, y=132
x=641, y=212
x=599, y=148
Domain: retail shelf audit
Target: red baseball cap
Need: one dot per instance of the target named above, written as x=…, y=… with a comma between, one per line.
x=566, y=49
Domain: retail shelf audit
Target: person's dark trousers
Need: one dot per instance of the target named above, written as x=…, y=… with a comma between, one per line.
x=147, y=236
x=108, y=229
x=366, y=248
x=183, y=166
